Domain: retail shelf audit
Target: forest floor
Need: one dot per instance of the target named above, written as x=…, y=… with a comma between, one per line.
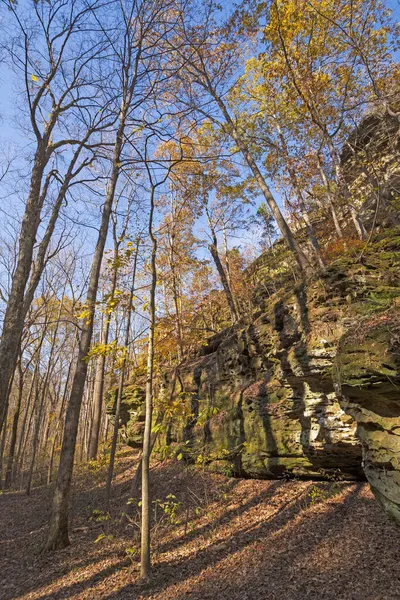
x=215, y=538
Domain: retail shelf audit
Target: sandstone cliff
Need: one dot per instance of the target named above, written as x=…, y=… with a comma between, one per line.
x=309, y=388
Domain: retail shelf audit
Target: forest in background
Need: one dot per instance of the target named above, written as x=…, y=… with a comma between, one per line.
x=161, y=146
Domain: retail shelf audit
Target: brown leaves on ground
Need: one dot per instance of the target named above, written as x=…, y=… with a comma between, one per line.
x=213, y=538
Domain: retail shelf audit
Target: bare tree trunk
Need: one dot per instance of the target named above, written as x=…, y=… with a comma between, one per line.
x=85, y=417
x=312, y=107
x=28, y=272
x=222, y=275
x=44, y=391
x=35, y=440
x=98, y=393
x=14, y=430
x=175, y=296
x=99, y=381
x=357, y=221
x=299, y=194
x=54, y=50
x=110, y=472
x=284, y=228
x=60, y=415
x=145, y=564
x=3, y=444
x=14, y=314
x=227, y=265
x=331, y=203
x=58, y=532
x=22, y=438
x=55, y=429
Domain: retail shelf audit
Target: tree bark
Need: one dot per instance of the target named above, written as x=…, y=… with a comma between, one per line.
x=58, y=533
x=60, y=415
x=35, y=439
x=3, y=437
x=99, y=382
x=303, y=208
x=342, y=185
x=28, y=272
x=145, y=563
x=284, y=228
x=331, y=203
x=110, y=472
x=14, y=430
x=224, y=281
x=14, y=315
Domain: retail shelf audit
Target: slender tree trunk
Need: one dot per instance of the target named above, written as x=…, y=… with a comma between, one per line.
x=22, y=438
x=60, y=415
x=99, y=381
x=35, y=440
x=175, y=295
x=58, y=532
x=101, y=361
x=331, y=203
x=312, y=107
x=14, y=315
x=227, y=265
x=299, y=194
x=28, y=272
x=222, y=275
x=145, y=565
x=284, y=228
x=17, y=461
x=27, y=436
x=357, y=221
x=3, y=438
x=213, y=248
x=55, y=429
x=14, y=430
x=110, y=472
x=84, y=419
x=49, y=369
x=279, y=218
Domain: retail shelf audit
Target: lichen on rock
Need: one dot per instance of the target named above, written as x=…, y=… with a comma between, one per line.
x=368, y=376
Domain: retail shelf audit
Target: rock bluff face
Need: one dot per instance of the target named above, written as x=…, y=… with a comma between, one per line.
x=368, y=376
x=309, y=388
x=263, y=404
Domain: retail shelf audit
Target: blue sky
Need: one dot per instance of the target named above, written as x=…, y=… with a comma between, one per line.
x=10, y=135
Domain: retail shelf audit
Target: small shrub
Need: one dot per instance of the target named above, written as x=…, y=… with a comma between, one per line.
x=169, y=507
x=317, y=495
x=99, y=516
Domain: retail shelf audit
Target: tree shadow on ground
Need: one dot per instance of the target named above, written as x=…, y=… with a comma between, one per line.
x=26, y=519
x=263, y=543
x=283, y=557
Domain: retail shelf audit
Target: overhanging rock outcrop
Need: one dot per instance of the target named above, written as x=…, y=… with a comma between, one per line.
x=368, y=376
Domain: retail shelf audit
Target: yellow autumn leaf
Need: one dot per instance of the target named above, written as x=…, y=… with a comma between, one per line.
x=34, y=78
